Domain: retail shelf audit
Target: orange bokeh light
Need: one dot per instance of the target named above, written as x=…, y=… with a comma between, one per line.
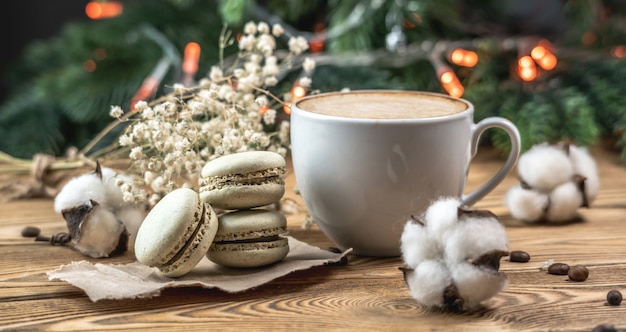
x=89, y=66
x=263, y=109
x=526, y=68
x=298, y=92
x=619, y=51
x=97, y=10
x=149, y=85
x=287, y=108
x=548, y=62
x=538, y=52
x=588, y=38
x=525, y=62
x=463, y=57
x=447, y=77
x=317, y=43
x=451, y=84
x=543, y=56
x=191, y=58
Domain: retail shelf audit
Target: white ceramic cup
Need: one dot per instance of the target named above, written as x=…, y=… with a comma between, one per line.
x=365, y=161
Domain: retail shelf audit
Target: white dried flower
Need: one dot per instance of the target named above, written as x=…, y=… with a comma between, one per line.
x=277, y=30
x=262, y=100
x=178, y=88
x=116, y=112
x=452, y=256
x=250, y=28
x=271, y=81
x=174, y=137
x=263, y=28
x=308, y=65
x=141, y=105
x=247, y=42
x=135, y=153
x=297, y=45
x=125, y=140
x=216, y=74
x=305, y=82
x=269, y=117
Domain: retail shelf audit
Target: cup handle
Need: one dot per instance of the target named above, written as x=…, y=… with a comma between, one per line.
x=514, y=136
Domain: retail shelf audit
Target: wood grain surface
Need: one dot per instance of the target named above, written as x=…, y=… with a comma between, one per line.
x=366, y=294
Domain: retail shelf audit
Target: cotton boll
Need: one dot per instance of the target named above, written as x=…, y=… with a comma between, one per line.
x=427, y=282
x=131, y=216
x=564, y=202
x=526, y=204
x=544, y=167
x=585, y=165
x=79, y=190
x=476, y=234
x=475, y=284
x=416, y=245
x=441, y=217
x=95, y=231
x=114, y=197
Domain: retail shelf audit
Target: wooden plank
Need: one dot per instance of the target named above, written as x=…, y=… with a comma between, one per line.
x=367, y=294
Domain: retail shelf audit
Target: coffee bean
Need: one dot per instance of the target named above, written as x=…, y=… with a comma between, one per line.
x=30, y=231
x=519, y=256
x=558, y=268
x=604, y=328
x=578, y=273
x=614, y=297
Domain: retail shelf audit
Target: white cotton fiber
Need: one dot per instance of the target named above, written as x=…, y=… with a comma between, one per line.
x=544, y=167
x=473, y=237
x=441, y=217
x=428, y=281
x=415, y=244
x=526, y=204
x=450, y=237
x=564, y=202
x=132, y=216
x=78, y=191
x=585, y=165
x=476, y=285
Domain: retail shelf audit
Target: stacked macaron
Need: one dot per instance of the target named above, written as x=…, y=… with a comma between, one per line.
x=183, y=226
x=242, y=184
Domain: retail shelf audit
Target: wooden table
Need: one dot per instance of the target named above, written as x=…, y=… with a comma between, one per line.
x=367, y=294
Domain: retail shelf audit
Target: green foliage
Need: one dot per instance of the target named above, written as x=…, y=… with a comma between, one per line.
x=51, y=79
x=57, y=103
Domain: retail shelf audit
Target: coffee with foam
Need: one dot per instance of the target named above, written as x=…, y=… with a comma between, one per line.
x=384, y=105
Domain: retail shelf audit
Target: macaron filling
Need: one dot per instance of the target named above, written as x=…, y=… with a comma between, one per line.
x=196, y=231
x=273, y=175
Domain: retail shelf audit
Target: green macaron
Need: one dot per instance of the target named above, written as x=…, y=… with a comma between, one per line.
x=250, y=238
x=243, y=180
x=177, y=233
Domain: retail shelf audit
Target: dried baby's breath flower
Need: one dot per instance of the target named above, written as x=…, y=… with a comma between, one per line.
x=308, y=65
x=297, y=45
x=277, y=30
x=116, y=112
x=229, y=111
x=305, y=82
